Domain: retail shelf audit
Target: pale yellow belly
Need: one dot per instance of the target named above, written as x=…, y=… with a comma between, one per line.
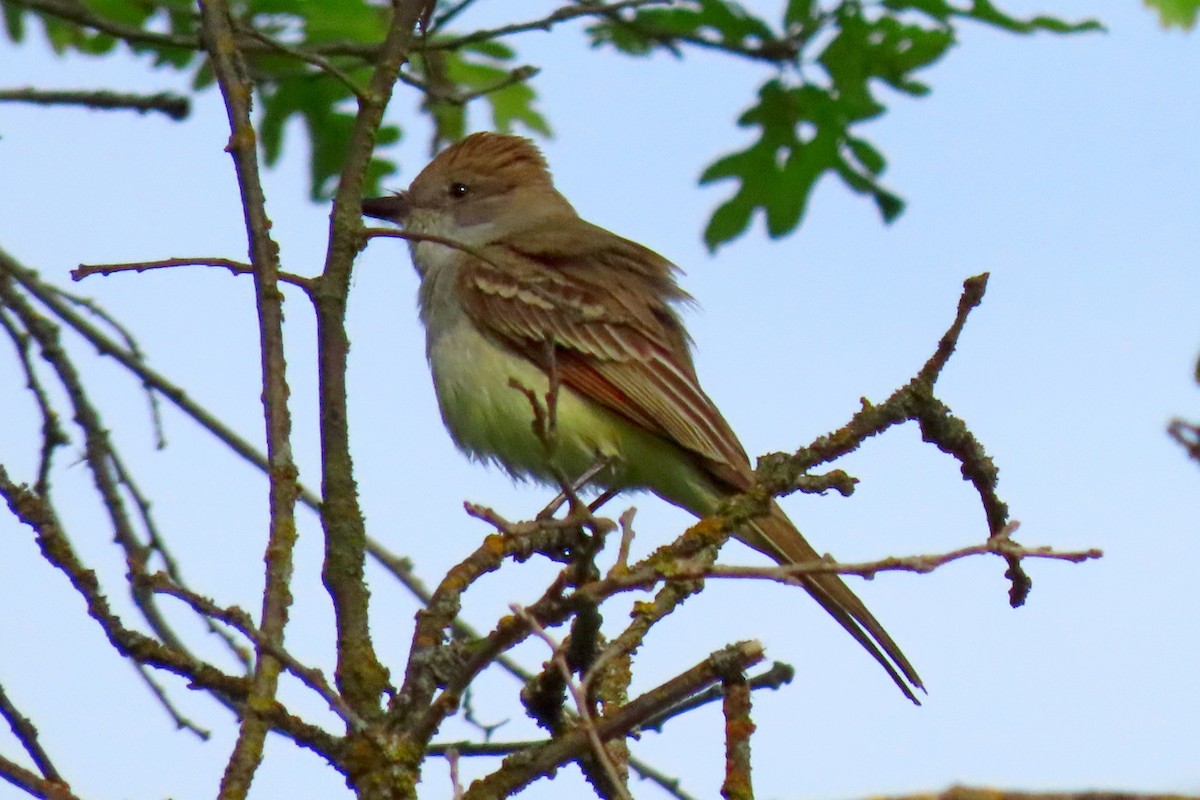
x=492, y=421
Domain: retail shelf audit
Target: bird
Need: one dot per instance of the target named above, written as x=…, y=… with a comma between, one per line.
x=519, y=294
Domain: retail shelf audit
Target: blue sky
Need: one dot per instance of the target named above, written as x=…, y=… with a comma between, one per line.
x=1065, y=167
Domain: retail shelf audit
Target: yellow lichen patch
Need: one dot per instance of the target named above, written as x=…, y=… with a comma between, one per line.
x=494, y=544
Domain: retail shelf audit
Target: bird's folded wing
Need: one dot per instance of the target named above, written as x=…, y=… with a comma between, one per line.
x=603, y=320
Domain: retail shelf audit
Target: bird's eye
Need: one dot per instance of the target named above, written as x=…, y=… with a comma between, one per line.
x=458, y=190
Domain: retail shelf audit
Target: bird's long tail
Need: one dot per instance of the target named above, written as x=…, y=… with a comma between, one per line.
x=776, y=536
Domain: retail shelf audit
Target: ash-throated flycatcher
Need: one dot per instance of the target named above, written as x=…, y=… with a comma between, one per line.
x=534, y=290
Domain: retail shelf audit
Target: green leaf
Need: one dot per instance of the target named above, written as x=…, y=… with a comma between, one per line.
x=449, y=122
x=883, y=49
x=890, y=206
x=175, y=57
x=351, y=20
x=470, y=71
x=935, y=9
x=14, y=21
x=799, y=12
x=731, y=24
x=720, y=22
x=122, y=11
x=204, y=77
x=1176, y=13
x=985, y=11
x=804, y=134
x=649, y=30
x=730, y=220
x=61, y=35
x=494, y=49
x=514, y=103
x=797, y=143
x=793, y=185
x=870, y=158
x=316, y=101
x=182, y=20
x=377, y=170
x=809, y=130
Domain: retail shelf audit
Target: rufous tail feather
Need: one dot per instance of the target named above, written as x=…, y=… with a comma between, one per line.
x=777, y=537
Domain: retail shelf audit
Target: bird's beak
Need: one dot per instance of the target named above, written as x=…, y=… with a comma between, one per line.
x=394, y=208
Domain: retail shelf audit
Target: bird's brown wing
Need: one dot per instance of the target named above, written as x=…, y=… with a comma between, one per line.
x=607, y=312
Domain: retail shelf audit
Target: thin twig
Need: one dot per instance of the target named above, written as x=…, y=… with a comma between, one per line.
x=53, y=435
x=779, y=474
x=494, y=749
x=517, y=75
x=665, y=782
x=552, y=608
x=52, y=297
x=414, y=703
x=772, y=50
x=627, y=534
x=56, y=548
x=27, y=735
x=582, y=705
x=448, y=94
x=156, y=544
x=391, y=233
x=314, y=59
x=471, y=718
x=1187, y=435
x=480, y=748
x=456, y=789
x=98, y=453
x=94, y=308
x=239, y=620
x=174, y=106
x=447, y=16
x=402, y=570
x=779, y=675
x=236, y=267
x=1000, y=545
x=181, y=722
x=544, y=24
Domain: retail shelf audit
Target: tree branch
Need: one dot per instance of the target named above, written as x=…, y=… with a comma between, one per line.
x=32, y=783
x=174, y=106
x=236, y=89
x=521, y=769
x=360, y=677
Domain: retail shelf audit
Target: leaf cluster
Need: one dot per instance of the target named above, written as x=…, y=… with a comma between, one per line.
x=829, y=64
x=307, y=61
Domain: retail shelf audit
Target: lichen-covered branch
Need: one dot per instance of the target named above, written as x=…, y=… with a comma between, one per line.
x=738, y=727
x=231, y=75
